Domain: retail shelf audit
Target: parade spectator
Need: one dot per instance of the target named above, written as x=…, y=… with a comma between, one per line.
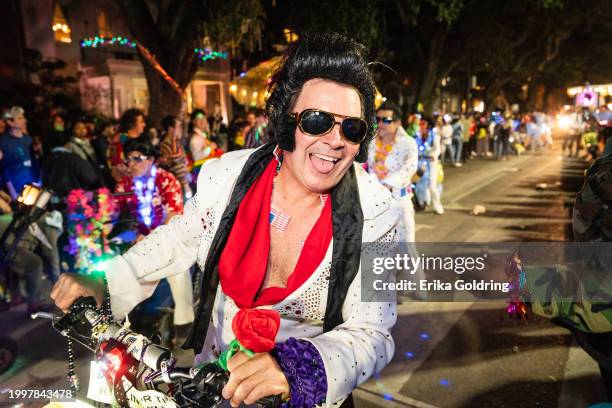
x=258, y=134
x=16, y=152
x=534, y=132
x=90, y=124
x=482, y=137
x=80, y=145
x=457, y=141
x=446, y=139
x=102, y=139
x=56, y=135
x=100, y=143
x=466, y=123
x=238, y=130
x=215, y=121
x=200, y=143
x=131, y=126
x=251, y=118
x=503, y=130
x=173, y=156
x=153, y=135
x=412, y=125
x=64, y=171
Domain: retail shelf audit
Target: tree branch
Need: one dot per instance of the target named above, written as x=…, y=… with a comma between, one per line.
x=140, y=23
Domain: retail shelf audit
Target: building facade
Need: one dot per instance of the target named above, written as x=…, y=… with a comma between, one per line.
x=111, y=77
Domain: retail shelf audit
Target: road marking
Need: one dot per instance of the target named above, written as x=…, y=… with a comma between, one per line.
x=480, y=185
x=476, y=188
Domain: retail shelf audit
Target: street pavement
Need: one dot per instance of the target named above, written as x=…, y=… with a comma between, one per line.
x=447, y=354
x=472, y=354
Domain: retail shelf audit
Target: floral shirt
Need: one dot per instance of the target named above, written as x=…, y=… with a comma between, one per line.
x=167, y=198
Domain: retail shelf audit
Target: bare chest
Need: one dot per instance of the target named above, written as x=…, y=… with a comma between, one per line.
x=285, y=249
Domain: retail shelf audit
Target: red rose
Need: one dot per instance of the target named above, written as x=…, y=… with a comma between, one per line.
x=256, y=329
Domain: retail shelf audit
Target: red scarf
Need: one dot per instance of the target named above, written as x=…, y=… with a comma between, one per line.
x=244, y=261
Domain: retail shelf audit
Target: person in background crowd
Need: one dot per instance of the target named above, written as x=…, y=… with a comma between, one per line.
x=16, y=152
x=64, y=170
x=503, y=130
x=90, y=124
x=412, y=127
x=534, y=132
x=429, y=152
x=457, y=141
x=153, y=136
x=100, y=143
x=236, y=133
x=466, y=136
x=446, y=139
x=102, y=139
x=173, y=156
x=251, y=118
x=56, y=135
x=200, y=144
x=215, y=120
x=482, y=137
x=393, y=159
x=492, y=124
x=157, y=198
x=258, y=134
x=131, y=126
x=80, y=145
x=3, y=125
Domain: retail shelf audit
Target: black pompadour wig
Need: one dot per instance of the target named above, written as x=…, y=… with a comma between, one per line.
x=330, y=56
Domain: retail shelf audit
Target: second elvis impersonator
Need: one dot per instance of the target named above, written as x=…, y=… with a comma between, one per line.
x=281, y=228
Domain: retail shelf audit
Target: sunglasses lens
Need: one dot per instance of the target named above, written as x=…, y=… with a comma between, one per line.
x=354, y=129
x=134, y=159
x=316, y=122
x=386, y=121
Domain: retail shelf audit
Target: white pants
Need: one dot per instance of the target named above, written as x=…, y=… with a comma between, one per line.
x=407, y=236
x=406, y=231
x=182, y=293
x=433, y=186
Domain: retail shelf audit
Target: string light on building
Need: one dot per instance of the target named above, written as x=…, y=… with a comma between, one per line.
x=96, y=42
x=206, y=54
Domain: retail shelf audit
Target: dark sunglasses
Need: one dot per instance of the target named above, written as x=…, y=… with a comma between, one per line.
x=135, y=159
x=386, y=121
x=315, y=122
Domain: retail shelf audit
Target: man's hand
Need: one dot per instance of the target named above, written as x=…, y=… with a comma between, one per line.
x=69, y=287
x=253, y=378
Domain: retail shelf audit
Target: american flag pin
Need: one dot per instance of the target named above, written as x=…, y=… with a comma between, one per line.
x=279, y=220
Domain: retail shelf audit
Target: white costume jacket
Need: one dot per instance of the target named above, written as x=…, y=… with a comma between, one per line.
x=401, y=163
x=351, y=352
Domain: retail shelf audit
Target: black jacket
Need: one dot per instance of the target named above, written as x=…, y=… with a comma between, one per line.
x=65, y=171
